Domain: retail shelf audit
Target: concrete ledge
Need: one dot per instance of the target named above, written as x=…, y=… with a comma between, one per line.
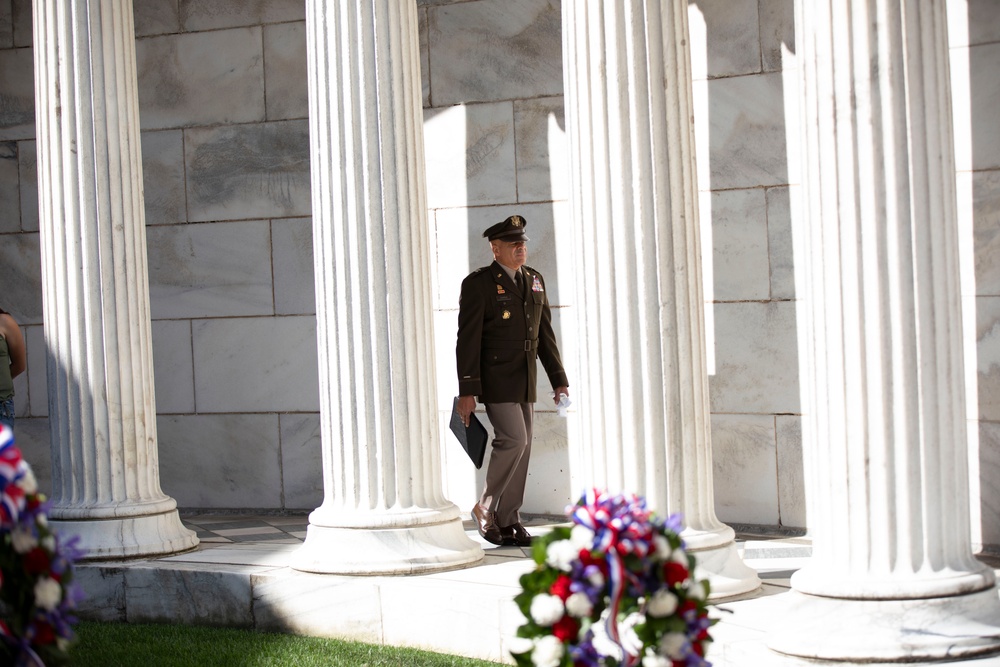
x=468, y=611
x=465, y=611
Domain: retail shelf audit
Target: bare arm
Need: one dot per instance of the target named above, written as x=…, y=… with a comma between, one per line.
x=15, y=344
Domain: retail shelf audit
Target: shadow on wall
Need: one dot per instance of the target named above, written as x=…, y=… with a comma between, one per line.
x=751, y=173
x=536, y=128
x=493, y=77
x=744, y=123
x=983, y=30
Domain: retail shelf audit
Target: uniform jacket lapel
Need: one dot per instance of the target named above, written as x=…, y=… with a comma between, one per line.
x=501, y=276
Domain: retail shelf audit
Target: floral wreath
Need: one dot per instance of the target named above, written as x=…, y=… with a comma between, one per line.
x=615, y=589
x=37, y=590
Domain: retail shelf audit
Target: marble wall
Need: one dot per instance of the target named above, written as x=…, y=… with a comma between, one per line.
x=224, y=109
x=975, y=41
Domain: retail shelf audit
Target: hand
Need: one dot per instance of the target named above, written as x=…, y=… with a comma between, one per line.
x=559, y=393
x=466, y=404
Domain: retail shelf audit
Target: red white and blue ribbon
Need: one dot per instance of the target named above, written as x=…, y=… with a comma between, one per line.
x=12, y=468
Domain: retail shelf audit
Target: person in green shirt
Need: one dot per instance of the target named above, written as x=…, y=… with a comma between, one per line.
x=12, y=363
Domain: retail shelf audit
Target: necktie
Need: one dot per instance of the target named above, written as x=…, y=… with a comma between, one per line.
x=519, y=281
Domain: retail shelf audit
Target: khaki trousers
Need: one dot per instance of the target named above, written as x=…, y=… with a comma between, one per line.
x=503, y=492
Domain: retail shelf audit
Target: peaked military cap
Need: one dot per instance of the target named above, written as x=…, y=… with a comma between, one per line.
x=511, y=229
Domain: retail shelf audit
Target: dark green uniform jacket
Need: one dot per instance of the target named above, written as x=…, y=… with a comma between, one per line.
x=500, y=334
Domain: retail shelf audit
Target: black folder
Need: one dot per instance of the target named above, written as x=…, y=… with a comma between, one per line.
x=473, y=437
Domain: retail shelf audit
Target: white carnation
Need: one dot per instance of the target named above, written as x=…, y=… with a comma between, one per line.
x=546, y=609
x=548, y=652
x=49, y=543
x=695, y=589
x=679, y=556
x=519, y=645
x=22, y=541
x=596, y=579
x=581, y=537
x=662, y=552
x=578, y=605
x=561, y=554
x=48, y=592
x=663, y=603
x=653, y=660
x=28, y=483
x=672, y=645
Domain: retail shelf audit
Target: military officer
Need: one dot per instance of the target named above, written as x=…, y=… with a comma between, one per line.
x=504, y=324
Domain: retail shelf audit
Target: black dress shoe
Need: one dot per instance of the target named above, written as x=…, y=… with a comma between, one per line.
x=515, y=536
x=487, y=525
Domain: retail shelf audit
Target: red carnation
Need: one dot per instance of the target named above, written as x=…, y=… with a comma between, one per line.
x=674, y=573
x=43, y=633
x=566, y=629
x=560, y=587
x=688, y=605
x=36, y=561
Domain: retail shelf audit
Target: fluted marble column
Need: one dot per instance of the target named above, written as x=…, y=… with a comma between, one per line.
x=892, y=577
x=105, y=476
x=383, y=510
x=644, y=426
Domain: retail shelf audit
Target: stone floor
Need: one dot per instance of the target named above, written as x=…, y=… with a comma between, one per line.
x=239, y=577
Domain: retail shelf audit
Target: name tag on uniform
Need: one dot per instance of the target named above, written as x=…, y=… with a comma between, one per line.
x=503, y=298
x=536, y=285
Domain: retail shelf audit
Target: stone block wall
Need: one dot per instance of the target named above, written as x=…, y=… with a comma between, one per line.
x=740, y=54
x=224, y=109
x=974, y=35
x=495, y=145
x=225, y=143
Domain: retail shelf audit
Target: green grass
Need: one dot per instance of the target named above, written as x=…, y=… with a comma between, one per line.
x=126, y=644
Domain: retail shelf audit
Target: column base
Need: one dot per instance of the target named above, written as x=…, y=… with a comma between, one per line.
x=386, y=550
x=727, y=574
x=906, y=631
x=129, y=537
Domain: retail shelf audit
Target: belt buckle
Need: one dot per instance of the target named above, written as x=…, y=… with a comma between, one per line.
x=527, y=345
